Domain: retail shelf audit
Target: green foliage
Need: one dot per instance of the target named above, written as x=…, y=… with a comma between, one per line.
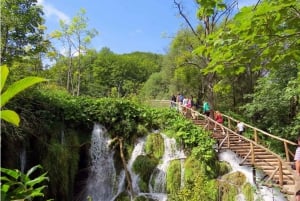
x=273, y=105
x=248, y=191
x=16, y=185
x=174, y=177
x=144, y=166
x=155, y=87
x=199, y=189
x=142, y=198
x=224, y=168
x=154, y=145
x=21, y=31
x=11, y=91
x=62, y=169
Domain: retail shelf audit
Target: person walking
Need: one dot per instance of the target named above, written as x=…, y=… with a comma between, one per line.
x=173, y=101
x=240, y=129
x=206, y=108
x=218, y=118
x=297, y=158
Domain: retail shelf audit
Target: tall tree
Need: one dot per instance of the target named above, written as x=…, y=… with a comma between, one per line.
x=75, y=38
x=210, y=15
x=257, y=40
x=21, y=30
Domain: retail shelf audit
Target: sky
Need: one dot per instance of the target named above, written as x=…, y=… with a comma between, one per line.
x=126, y=26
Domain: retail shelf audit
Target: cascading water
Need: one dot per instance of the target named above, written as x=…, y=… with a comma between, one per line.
x=23, y=156
x=103, y=184
x=262, y=192
x=171, y=153
x=102, y=179
x=138, y=150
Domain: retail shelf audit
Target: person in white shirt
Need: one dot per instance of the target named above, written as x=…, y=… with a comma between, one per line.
x=297, y=158
x=240, y=129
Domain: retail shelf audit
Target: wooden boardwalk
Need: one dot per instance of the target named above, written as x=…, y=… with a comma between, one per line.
x=276, y=168
x=254, y=151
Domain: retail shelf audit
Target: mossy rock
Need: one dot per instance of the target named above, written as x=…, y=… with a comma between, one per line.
x=191, y=168
x=235, y=178
x=248, y=191
x=122, y=197
x=144, y=166
x=174, y=176
x=154, y=145
x=224, y=168
x=143, y=198
x=231, y=184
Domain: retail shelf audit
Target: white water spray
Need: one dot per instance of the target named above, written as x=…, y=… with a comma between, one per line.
x=102, y=179
x=159, y=176
x=263, y=193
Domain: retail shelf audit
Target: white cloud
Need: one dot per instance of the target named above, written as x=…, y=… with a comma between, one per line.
x=50, y=11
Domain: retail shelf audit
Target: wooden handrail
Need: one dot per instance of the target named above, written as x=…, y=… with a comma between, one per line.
x=257, y=131
x=229, y=130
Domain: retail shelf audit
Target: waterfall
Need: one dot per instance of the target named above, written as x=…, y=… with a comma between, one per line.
x=102, y=179
x=103, y=184
x=159, y=176
x=23, y=156
x=262, y=192
x=138, y=150
x=62, y=137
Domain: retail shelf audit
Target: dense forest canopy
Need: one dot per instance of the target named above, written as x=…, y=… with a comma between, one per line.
x=246, y=62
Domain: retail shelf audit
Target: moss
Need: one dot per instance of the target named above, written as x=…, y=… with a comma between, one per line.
x=141, y=130
x=235, y=178
x=231, y=185
x=224, y=168
x=174, y=176
x=61, y=162
x=144, y=166
x=248, y=191
x=229, y=192
x=142, y=198
x=154, y=145
x=191, y=169
x=122, y=197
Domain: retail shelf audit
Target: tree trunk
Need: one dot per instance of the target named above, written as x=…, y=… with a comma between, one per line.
x=127, y=173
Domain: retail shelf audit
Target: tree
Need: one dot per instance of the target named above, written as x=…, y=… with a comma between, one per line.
x=210, y=14
x=75, y=38
x=21, y=30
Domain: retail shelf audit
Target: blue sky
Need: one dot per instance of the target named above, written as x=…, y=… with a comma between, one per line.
x=125, y=26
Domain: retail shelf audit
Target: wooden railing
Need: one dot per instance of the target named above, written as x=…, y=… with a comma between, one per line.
x=229, y=131
x=256, y=133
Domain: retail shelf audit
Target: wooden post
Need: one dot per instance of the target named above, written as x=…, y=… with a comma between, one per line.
x=252, y=154
x=280, y=173
x=228, y=140
x=286, y=151
x=255, y=136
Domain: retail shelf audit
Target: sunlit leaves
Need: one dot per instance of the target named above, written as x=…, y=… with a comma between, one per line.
x=13, y=90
